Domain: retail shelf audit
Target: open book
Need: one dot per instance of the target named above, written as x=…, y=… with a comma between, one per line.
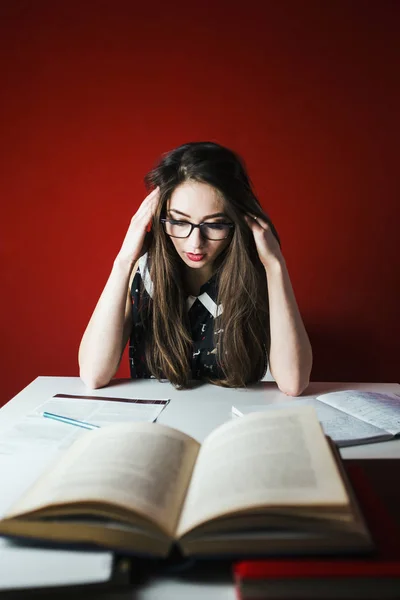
x=264, y=484
x=349, y=417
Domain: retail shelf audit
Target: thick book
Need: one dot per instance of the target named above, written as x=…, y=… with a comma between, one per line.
x=264, y=484
x=374, y=577
x=348, y=417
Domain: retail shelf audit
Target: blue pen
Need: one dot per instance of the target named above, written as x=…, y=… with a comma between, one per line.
x=70, y=421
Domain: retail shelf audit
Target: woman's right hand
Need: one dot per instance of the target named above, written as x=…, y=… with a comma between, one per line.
x=132, y=246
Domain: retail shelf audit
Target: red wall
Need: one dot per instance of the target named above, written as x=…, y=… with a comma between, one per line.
x=93, y=92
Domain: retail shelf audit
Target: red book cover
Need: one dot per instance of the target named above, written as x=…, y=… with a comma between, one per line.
x=382, y=565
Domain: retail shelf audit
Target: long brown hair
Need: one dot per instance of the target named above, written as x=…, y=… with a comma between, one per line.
x=244, y=343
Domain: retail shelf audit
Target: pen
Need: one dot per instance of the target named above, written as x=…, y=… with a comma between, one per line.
x=70, y=421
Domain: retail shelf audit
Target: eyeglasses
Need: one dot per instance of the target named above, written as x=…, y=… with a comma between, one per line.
x=210, y=231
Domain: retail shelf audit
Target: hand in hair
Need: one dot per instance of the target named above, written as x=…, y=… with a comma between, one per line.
x=136, y=238
x=267, y=245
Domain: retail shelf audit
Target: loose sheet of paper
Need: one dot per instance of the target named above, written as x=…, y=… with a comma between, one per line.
x=341, y=427
x=34, y=432
x=382, y=410
x=103, y=411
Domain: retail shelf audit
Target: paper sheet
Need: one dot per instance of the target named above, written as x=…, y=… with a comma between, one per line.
x=376, y=408
x=34, y=432
x=341, y=427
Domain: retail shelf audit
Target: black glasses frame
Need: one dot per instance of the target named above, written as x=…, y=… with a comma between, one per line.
x=200, y=226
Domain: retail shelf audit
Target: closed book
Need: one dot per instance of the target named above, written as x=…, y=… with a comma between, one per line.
x=373, y=577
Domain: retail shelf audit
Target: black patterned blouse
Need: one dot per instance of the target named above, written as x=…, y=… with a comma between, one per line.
x=202, y=310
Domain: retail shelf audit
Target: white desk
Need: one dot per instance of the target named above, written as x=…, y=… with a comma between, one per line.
x=196, y=412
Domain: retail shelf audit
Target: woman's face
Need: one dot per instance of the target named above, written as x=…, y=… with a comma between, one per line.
x=196, y=203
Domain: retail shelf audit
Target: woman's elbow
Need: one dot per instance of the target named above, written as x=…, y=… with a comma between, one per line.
x=93, y=380
x=293, y=387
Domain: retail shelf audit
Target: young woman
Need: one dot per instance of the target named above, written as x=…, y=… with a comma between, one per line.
x=200, y=286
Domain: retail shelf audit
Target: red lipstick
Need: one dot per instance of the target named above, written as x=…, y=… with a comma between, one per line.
x=195, y=257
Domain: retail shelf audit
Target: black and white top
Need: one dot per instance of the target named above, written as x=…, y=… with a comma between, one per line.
x=202, y=310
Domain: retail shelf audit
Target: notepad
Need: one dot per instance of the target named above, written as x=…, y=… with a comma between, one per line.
x=349, y=417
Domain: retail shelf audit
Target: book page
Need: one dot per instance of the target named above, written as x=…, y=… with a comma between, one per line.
x=341, y=427
x=382, y=410
x=143, y=467
x=277, y=458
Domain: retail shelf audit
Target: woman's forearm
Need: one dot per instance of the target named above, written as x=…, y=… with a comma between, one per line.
x=103, y=341
x=290, y=357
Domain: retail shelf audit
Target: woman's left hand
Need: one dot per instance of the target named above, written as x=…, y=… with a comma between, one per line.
x=267, y=245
